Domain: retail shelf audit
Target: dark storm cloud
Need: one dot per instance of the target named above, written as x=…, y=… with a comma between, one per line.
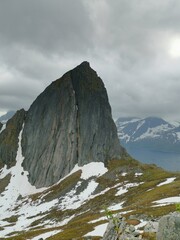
x=127, y=43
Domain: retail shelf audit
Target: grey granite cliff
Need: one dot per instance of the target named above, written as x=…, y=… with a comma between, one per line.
x=69, y=123
x=9, y=139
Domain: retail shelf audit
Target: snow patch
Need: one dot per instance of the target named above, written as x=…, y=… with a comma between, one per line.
x=141, y=224
x=98, y=231
x=123, y=174
x=99, y=219
x=174, y=123
x=19, y=187
x=93, y=169
x=167, y=201
x=138, y=174
x=178, y=135
x=123, y=189
x=73, y=201
x=126, y=137
x=4, y=172
x=154, y=132
x=140, y=124
x=115, y=207
x=168, y=180
x=3, y=127
x=19, y=184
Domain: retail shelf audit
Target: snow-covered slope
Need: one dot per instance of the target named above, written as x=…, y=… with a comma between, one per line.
x=151, y=140
x=74, y=207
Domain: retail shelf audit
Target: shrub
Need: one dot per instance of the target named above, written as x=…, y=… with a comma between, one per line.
x=178, y=207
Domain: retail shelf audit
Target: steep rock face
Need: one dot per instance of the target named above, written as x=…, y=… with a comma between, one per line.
x=9, y=139
x=1, y=126
x=97, y=134
x=69, y=123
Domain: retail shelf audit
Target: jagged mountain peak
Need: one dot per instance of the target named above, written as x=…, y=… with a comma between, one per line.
x=69, y=123
x=150, y=119
x=155, y=121
x=82, y=75
x=138, y=128
x=84, y=64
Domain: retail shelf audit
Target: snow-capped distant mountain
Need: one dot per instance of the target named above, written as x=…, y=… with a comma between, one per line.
x=151, y=139
x=4, y=118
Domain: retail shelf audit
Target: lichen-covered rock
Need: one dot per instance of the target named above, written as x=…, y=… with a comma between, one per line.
x=110, y=233
x=9, y=139
x=169, y=227
x=151, y=226
x=118, y=229
x=69, y=123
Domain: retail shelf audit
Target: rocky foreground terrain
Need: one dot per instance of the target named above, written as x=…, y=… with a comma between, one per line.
x=76, y=206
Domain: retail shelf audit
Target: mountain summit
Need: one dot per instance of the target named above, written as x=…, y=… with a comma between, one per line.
x=69, y=123
x=151, y=140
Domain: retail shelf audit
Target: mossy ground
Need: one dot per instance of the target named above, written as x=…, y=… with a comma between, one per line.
x=139, y=200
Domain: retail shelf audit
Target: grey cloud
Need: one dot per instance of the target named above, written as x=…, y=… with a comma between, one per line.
x=45, y=25
x=126, y=42
x=35, y=39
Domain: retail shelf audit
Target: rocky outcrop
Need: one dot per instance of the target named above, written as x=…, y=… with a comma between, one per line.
x=166, y=228
x=118, y=229
x=151, y=227
x=169, y=227
x=9, y=139
x=1, y=126
x=69, y=123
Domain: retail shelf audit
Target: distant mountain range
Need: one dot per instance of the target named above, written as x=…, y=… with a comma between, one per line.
x=4, y=118
x=151, y=140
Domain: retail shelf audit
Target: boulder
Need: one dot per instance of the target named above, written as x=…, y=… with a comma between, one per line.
x=151, y=226
x=169, y=227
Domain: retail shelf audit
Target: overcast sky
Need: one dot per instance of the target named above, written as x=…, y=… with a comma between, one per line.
x=134, y=45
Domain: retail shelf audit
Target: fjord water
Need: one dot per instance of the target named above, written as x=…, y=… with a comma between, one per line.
x=166, y=160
